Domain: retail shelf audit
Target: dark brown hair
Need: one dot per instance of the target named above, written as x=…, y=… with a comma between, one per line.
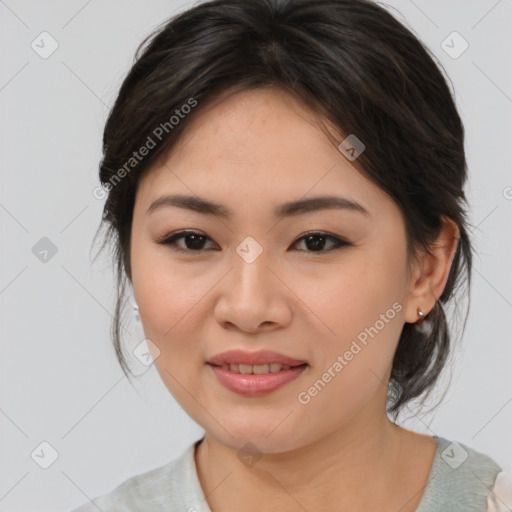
x=357, y=67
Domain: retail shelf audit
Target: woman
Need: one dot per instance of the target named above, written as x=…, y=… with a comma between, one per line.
x=285, y=193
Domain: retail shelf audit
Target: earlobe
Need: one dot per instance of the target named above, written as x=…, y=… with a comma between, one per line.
x=422, y=317
x=433, y=270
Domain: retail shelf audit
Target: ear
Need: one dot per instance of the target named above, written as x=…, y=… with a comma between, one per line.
x=431, y=272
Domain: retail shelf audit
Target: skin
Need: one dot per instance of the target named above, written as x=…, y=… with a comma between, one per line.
x=252, y=151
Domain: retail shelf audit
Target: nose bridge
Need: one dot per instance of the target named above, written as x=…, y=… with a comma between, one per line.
x=250, y=298
x=251, y=274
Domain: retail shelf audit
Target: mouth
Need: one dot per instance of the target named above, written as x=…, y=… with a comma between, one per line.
x=256, y=369
x=256, y=380
x=262, y=361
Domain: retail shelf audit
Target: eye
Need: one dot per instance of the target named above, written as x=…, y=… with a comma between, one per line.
x=316, y=241
x=194, y=241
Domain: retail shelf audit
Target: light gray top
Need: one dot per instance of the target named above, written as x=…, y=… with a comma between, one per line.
x=460, y=479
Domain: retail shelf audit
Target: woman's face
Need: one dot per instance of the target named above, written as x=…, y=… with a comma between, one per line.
x=254, y=282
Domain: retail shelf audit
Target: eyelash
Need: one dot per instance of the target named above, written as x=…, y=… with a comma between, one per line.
x=173, y=238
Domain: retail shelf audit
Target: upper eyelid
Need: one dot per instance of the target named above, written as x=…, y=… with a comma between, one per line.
x=181, y=234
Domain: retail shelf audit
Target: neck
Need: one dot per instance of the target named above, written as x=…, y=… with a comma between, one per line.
x=358, y=466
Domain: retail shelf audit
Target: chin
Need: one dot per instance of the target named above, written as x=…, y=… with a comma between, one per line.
x=262, y=438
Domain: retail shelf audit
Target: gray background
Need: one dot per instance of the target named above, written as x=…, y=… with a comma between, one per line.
x=60, y=381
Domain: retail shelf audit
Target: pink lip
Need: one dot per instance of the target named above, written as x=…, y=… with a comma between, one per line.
x=252, y=358
x=256, y=385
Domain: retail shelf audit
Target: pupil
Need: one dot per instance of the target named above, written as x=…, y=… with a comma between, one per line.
x=317, y=245
x=196, y=241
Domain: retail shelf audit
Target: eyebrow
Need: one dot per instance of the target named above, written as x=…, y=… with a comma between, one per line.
x=291, y=208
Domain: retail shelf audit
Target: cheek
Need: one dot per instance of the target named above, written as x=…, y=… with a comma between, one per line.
x=164, y=289
x=346, y=300
x=172, y=314
x=359, y=312
x=169, y=297
x=352, y=367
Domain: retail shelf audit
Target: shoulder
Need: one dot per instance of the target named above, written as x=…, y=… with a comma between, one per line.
x=460, y=476
x=133, y=492
x=500, y=495
x=458, y=459
x=156, y=490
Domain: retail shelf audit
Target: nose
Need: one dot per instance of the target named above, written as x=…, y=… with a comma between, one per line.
x=253, y=298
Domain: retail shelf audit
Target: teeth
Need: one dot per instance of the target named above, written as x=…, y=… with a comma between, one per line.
x=257, y=369
x=244, y=368
x=260, y=368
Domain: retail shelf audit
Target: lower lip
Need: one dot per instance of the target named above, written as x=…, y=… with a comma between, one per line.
x=256, y=385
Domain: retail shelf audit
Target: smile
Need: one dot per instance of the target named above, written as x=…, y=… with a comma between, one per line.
x=256, y=380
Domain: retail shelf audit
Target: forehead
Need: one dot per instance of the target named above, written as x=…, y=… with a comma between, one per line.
x=256, y=145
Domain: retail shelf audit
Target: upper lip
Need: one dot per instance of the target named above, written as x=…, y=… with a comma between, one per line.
x=253, y=358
